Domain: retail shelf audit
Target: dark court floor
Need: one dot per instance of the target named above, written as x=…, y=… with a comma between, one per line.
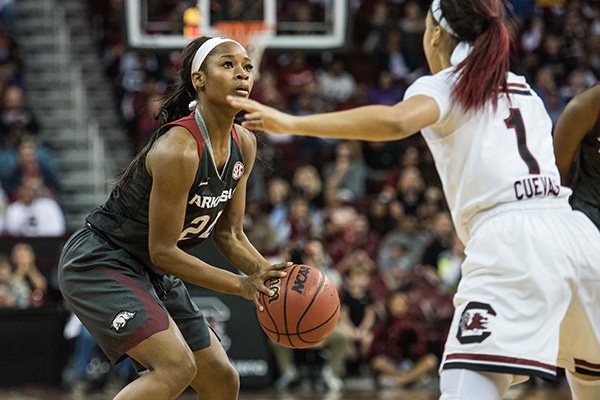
x=521, y=392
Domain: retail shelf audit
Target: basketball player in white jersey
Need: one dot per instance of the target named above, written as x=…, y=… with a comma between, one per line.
x=530, y=293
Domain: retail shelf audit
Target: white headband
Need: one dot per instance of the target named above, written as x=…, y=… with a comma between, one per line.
x=205, y=49
x=436, y=13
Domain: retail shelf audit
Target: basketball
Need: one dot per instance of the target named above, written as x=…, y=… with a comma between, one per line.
x=304, y=309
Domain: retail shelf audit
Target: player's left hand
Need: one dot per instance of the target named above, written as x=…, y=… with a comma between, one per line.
x=253, y=285
x=261, y=117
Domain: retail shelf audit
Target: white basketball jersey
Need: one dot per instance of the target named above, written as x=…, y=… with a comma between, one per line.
x=486, y=158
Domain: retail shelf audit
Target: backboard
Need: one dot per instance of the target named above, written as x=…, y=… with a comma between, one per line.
x=297, y=24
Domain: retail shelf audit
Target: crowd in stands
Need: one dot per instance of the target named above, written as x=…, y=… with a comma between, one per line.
x=29, y=182
x=371, y=214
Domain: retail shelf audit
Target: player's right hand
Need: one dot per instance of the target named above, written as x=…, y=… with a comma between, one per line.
x=261, y=117
x=253, y=285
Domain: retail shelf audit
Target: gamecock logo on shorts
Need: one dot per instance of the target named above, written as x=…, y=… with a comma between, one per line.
x=121, y=319
x=238, y=170
x=474, y=321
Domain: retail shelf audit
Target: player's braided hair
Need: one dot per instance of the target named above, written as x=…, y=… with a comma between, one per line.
x=175, y=106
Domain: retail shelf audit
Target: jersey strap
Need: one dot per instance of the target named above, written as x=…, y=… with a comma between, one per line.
x=190, y=124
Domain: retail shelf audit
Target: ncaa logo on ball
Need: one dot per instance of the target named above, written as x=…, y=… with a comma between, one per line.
x=238, y=170
x=300, y=281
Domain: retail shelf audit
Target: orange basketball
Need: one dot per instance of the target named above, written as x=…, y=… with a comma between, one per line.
x=304, y=309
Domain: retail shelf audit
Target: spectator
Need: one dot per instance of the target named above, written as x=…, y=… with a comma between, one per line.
x=23, y=259
x=399, y=353
x=441, y=239
x=378, y=22
x=28, y=165
x=299, y=222
x=266, y=90
x=14, y=291
x=385, y=91
x=400, y=250
x=433, y=202
x=381, y=218
x=412, y=25
x=354, y=238
x=279, y=191
x=410, y=189
x=296, y=75
x=389, y=57
x=336, y=84
x=33, y=214
x=307, y=183
x=358, y=311
x=15, y=117
x=346, y=176
x=531, y=39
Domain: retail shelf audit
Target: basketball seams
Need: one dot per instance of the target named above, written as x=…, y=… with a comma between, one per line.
x=321, y=281
x=266, y=309
x=309, y=330
x=285, y=293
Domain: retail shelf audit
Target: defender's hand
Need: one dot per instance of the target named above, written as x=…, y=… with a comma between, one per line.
x=261, y=117
x=253, y=285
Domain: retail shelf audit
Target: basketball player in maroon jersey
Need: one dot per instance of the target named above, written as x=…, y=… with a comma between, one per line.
x=529, y=295
x=122, y=273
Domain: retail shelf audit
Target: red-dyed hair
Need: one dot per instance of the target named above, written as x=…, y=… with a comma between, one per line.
x=482, y=75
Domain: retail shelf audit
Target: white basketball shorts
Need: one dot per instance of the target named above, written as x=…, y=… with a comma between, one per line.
x=530, y=284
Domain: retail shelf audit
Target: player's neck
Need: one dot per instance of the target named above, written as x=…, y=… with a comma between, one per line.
x=218, y=124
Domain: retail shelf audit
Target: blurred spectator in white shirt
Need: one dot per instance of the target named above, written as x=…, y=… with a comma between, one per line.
x=32, y=214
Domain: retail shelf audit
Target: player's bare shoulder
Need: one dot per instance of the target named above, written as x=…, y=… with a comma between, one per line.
x=245, y=135
x=176, y=148
x=247, y=142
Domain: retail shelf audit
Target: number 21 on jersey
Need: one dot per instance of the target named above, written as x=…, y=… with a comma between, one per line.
x=198, y=227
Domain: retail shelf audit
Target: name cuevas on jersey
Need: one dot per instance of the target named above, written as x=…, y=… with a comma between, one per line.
x=539, y=186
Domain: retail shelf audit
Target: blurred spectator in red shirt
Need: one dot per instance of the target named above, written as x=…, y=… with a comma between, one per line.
x=398, y=352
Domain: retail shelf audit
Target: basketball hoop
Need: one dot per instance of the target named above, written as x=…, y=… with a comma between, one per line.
x=253, y=35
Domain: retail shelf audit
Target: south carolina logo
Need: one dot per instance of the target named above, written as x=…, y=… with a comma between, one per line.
x=121, y=319
x=238, y=170
x=474, y=321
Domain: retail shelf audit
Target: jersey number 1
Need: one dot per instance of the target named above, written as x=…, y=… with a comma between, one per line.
x=515, y=121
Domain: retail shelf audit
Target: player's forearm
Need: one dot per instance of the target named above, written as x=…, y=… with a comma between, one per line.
x=373, y=123
x=190, y=269
x=240, y=252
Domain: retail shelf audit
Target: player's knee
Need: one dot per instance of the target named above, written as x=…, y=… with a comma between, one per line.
x=179, y=368
x=224, y=382
x=232, y=378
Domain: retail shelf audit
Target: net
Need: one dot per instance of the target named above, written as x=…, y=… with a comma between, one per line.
x=253, y=35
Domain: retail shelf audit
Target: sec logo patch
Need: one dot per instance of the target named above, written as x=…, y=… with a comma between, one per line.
x=238, y=170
